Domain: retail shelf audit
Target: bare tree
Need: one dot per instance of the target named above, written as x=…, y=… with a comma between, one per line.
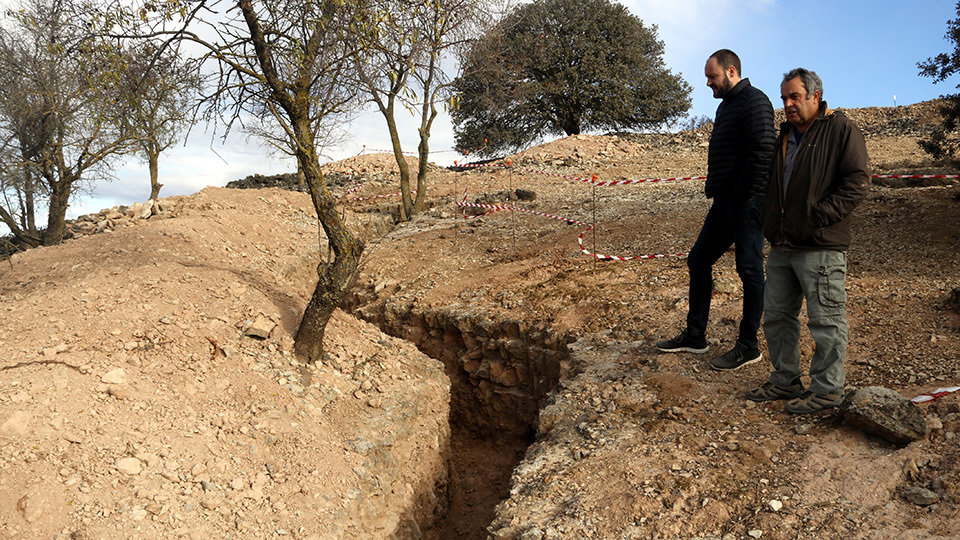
x=162, y=89
x=60, y=116
x=286, y=60
x=403, y=65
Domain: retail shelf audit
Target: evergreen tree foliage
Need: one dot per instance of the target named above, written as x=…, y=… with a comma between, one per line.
x=944, y=141
x=561, y=67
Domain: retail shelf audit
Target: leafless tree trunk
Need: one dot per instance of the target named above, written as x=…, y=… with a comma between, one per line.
x=153, y=163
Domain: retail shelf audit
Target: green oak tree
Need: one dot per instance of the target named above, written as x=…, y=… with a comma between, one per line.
x=561, y=67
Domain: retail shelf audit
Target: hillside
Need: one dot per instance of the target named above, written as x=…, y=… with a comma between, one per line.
x=485, y=378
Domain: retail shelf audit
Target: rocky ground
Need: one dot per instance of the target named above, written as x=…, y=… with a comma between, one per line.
x=134, y=401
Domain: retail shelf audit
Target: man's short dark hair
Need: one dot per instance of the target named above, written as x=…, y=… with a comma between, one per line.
x=811, y=81
x=727, y=58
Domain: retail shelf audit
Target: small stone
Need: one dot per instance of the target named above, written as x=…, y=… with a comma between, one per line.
x=138, y=514
x=119, y=392
x=755, y=533
x=910, y=469
x=261, y=328
x=171, y=476
x=920, y=496
x=934, y=423
x=17, y=424
x=114, y=376
x=532, y=534
x=129, y=465
x=776, y=505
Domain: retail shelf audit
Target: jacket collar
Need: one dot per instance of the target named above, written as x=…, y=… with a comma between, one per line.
x=824, y=110
x=744, y=82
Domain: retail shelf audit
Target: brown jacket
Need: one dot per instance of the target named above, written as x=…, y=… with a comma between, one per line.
x=831, y=175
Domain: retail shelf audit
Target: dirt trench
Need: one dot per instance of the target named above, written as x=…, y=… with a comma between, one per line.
x=500, y=372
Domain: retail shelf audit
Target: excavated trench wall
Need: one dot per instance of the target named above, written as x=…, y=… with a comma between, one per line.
x=500, y=370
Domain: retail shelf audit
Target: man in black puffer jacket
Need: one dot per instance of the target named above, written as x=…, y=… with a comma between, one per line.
x=741, y=146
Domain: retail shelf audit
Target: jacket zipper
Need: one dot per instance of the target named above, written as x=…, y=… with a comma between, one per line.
x=804, y=144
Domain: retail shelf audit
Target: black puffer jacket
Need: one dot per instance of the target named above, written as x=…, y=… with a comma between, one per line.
x=831, y=175
x=741, y=144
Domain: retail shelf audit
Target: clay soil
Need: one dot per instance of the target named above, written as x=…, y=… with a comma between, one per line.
x=236, y=440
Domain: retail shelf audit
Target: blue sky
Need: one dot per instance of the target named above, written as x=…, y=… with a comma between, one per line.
x=865, y=51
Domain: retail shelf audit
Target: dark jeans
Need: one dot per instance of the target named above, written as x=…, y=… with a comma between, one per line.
x=728, y=222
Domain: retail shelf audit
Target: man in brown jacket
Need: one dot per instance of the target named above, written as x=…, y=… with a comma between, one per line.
x=820, y=173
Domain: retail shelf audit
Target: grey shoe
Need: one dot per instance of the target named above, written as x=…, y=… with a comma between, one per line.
x=772, y=392
x=736, y=358
x=813, y=402
x=684, y=343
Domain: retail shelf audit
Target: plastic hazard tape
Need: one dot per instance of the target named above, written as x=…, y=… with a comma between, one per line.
x=593, y=180
x=491, y=208
x=619, y=258
x=916, y=176
x=496, y=208
x=384, y=196
x=936, y=394
x=462, y=151
x=358, y=186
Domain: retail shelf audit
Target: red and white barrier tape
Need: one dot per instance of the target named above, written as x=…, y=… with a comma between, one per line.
x=916, y=176
x=936, y=394
x=384, y=196
x=496, y=208
x=592, y=180
x=620, y=258
x=358, y=186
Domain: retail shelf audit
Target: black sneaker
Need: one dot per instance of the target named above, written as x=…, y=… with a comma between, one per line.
x=736, y=358
x=684, y=343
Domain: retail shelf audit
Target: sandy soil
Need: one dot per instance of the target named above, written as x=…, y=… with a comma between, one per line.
x=209, y=433
x=637, y=444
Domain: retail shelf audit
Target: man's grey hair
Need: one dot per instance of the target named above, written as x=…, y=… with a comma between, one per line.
x=811, y=81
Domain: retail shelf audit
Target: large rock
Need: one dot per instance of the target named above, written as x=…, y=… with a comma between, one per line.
x=886, y=414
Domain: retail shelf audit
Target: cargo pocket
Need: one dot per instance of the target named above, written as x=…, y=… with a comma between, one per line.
x=830, y=286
